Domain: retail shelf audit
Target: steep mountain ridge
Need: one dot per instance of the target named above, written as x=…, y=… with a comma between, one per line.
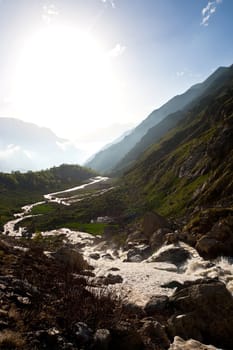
x=191, y=167
x=155, y=133
x=106, y=160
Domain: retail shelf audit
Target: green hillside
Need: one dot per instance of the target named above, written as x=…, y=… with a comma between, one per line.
x=18, y=189
x=192, y=165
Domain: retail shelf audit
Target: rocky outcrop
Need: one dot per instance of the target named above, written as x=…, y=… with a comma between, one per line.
x=203, y=310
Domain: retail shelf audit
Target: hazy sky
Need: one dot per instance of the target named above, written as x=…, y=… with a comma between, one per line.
x=90, y=69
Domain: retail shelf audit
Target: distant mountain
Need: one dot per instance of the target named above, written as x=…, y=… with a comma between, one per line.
x=26, y=146
x=106, y=160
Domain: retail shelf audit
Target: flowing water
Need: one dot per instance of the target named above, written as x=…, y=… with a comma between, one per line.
x=141, y=280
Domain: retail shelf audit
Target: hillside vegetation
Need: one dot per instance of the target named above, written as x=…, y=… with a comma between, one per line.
x=18, y=189
x=191, y=166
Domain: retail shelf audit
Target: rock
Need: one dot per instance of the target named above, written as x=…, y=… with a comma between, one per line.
x=152, y=222
x=114, y=269
x=203, y=311
x=136, y=236
x=172, y=253
x=134, y=309
x=172, y=284
x=218, y=241
x=47, y=340
x=83, y=334
x=107, y=256
x=102, y=338
x=94, y=256
x=211, y=233
x=87, y=273
x=157, y=303
x=126, y=339
x=164, y=266
x=191, y=344
x=71, y=258
x=112, y=279
x=159, y=237
x=153, y=333
x=138, y=253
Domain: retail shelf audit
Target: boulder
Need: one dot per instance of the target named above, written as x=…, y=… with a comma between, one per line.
x=71, y=259
x=191, y=344
x=203, y=310
x=138, y=253
x=173, y=254
x=126, y=338
x=109, y=279
x=83, y=334
x=153, y=333
x=152, y=222
x=157, y=303
x=107, y=256
x=159, y=237
x=94, y=256
x=218, y=241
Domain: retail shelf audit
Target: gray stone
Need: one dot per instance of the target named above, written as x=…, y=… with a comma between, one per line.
x=94, y=256
x=173, y=254
x=157, y=303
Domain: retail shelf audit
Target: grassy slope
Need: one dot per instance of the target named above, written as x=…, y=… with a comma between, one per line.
x=18, y=189
x=192, y=165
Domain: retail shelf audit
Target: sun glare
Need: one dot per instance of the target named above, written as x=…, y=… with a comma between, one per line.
x=63, y=74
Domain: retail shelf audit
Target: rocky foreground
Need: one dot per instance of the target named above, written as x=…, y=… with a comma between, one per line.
x=68, y=290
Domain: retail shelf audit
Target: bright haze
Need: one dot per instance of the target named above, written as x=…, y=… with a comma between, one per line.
x=92, y=69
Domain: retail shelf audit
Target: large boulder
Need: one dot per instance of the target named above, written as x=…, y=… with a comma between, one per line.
x=191, y=344
x=203, y=310
x=154, y=335
x=174, y=254
x=218, y=241
x=152, y=222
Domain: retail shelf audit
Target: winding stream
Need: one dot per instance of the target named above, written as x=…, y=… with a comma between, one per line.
x=9, y=227
x=141, y=280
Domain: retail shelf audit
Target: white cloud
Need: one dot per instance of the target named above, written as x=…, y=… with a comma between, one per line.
x=49, y=11
x=180, y=74
x=9, y=151
x=118, y=50
x=111, y=2
x=187, y=73
x=208, y=11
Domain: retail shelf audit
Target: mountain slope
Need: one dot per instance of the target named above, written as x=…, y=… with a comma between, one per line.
x=26, y=146
x=107, y=159
x=192, y=165
x=158, y=131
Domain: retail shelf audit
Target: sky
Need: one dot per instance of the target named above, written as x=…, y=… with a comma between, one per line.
x=92, y=69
